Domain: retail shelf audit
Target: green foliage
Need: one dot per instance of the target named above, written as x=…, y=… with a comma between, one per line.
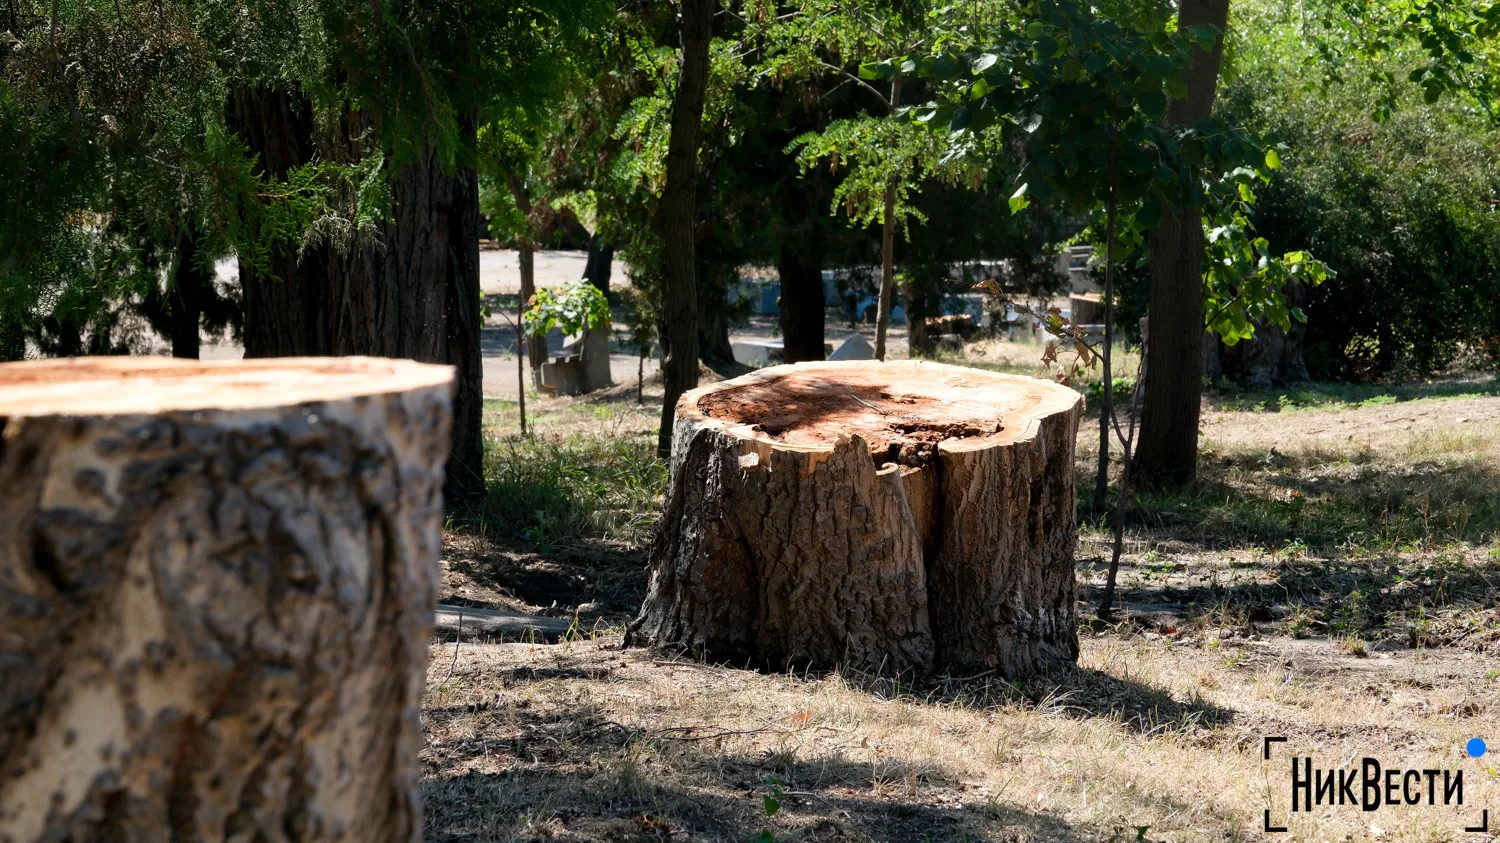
x=115, y=115
x=1444, y=48
x=1403, y=208
x=1084, y=91
x=573, y=307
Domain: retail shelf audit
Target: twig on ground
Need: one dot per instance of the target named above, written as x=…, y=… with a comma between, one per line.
x=458, y=640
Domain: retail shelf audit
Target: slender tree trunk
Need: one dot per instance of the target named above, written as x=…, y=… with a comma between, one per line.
x=521, y=362
x=679, y=216
x=887, y=251
x=1168, y=452
x=536, y=347
x=1107, y=406
x=802, y=303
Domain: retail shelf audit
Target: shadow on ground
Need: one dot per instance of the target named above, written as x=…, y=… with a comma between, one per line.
x=576, y=775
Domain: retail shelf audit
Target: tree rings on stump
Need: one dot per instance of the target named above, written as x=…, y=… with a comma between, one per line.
x=217, y=583
x=890, y=516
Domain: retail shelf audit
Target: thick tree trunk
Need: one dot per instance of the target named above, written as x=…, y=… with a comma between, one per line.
x=891, y=517
x=917, y=342
x=285, y=303
x=218, y=584
x=713, y=316
x=191, y=285
x=416, y=296
x=598, y=267
x=802, y=303
x=1272, y=358
x=678, y=330
x=1168, y=453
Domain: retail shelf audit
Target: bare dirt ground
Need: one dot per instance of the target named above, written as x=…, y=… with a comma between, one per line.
x=1334, y=579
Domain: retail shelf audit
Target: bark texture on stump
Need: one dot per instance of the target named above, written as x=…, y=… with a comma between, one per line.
x=217, y=581
x=889, y=516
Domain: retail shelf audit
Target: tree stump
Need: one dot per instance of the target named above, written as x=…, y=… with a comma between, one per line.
x=217, y=583
x=888, y=516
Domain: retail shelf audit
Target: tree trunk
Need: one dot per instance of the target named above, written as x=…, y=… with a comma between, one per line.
x=887, y=251
x=1168, y=452
x=1272, y=358
x=218, y=583
x=891, y=517
x=191, y=284
x=918, y=344
x=678, y=331
x=802, y=303
x=285, y=304
x=713, y=315
x=535, y=347
x=599, y=265
x=416, y=296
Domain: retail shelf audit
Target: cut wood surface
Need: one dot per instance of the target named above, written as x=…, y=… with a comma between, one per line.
x=890, y=516
x=217, y=585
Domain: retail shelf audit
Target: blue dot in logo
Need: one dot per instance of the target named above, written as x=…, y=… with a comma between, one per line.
x=1476, y=747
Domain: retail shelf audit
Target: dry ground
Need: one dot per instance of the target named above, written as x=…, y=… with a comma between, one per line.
x=1334, y=580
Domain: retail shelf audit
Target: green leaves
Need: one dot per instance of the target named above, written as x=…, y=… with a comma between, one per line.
x=1273, y=159
x=573, y=307
x=1018, y=200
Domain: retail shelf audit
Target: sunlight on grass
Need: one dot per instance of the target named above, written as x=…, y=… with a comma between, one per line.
x=585, y=471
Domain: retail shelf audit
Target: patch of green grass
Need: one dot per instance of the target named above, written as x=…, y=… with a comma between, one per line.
x=1331, y=396
x=587, y=471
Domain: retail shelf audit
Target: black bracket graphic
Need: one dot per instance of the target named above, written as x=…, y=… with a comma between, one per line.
x=1270, y=741
x=1266, y=753
x=1484, y=825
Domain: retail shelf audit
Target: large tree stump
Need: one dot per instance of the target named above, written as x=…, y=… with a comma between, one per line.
x=891, y=516
x=217, y=586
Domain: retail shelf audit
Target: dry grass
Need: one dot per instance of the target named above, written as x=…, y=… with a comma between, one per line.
x=1334, y=579
x=586, y=742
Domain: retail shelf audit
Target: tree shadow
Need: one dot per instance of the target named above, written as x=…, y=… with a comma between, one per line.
x=602, y=584
x=576, y=774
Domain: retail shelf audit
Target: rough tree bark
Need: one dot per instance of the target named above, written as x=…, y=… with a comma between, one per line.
x=678, y=331
x=802, y=303
x=285, y=304
x=1168, y=452
x=218, y=583
x=891, y=517
x=416, y=296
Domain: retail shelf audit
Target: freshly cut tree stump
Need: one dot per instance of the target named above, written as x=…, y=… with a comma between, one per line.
x=216, y=595
x=889, y=516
